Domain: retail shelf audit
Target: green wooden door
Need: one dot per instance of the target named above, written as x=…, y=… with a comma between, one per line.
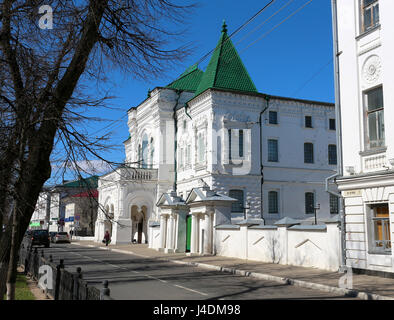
x=188, y=232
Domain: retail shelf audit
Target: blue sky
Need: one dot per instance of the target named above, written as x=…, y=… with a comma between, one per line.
x=293, y=60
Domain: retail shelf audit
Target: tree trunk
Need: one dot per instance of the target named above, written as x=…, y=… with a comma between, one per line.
x=11, y=274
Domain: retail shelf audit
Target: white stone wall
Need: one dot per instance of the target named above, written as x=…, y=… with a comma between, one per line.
x=306, y=246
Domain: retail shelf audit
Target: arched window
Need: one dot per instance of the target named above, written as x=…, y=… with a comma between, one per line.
x=152, y=152
x=144, y=151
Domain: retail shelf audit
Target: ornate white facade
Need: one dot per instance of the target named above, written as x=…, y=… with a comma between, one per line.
x=194, y=161
x=366, y=65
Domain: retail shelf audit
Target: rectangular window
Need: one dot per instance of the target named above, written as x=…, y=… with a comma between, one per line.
x=380, y=227
x=332, y=154
x=332, y=124
x=308, y=152
x=308, y=122
x=309, y=202
x=273, y=202
x=232, y=135
x=273, y=117
x=373, y=100
x=239, y=205
x=369, y=14
x=334, y=204
x=241, y=143
x=272, y=150
x=201, y=148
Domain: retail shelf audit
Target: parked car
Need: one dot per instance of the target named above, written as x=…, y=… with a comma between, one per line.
x=40, y=238
x=52, y=235
x=61, y=237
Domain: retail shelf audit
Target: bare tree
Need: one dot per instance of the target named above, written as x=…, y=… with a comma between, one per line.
x=44, y=76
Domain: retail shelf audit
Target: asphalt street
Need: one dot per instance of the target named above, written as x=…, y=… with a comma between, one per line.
x=133, y=277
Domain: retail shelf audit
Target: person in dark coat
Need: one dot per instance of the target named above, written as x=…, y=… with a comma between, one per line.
x=107, y=238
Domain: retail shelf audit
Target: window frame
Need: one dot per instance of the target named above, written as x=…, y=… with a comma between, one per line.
x=332, y=120
x=268, y=150
x=379, y=115
x=313, y=151
x=241, y=202
x=330, y=157
x=305, y=122
x=307, y=204
x=271, y=192
x=385, y=222
x=374, y=5
x=276, y=117
x=334, y=207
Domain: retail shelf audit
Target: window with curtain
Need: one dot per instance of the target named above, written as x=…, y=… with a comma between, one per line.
x=380, y=237
x=273, y=202
x=239, y=205
x=369, y=14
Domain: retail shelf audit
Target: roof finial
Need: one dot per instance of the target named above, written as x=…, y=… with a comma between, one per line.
x=224, y=27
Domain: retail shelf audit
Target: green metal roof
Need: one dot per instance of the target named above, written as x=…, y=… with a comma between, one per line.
x=91, y=182
x=225, y=69
x=187, y=81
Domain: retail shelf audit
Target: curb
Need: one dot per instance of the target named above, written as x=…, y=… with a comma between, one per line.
x=262, y=276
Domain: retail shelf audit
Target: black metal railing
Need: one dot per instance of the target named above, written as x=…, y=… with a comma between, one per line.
x=64, y=285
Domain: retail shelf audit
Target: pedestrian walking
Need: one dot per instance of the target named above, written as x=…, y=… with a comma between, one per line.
x=107, y=238
x=71, y=234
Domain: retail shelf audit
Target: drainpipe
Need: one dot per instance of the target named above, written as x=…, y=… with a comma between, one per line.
x=178, y=92
x=267, y=98
x=185, y=106
x=339, y=134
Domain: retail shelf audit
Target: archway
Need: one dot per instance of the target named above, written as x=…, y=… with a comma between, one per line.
x=138, y=224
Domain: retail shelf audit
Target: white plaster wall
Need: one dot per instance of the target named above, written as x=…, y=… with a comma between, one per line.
x=317, y=248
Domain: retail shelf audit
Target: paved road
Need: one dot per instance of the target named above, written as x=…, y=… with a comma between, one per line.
x=133, y=277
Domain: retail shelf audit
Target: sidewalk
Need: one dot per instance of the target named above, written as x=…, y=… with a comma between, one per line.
x=364, y=286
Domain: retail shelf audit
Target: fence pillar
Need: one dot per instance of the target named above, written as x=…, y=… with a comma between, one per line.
x=77, y=277
x=105, y=291
x=59, y=267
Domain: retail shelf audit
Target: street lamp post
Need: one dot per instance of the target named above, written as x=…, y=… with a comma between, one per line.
x=316, y=208
x=248, y=207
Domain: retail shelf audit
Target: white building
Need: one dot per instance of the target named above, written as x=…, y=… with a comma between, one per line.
x=215, y=123
x=366, y=69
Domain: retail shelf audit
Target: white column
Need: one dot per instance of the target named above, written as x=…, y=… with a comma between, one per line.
x=163, y=231
x=194, y=235
x=207, y=233
x=170, y=244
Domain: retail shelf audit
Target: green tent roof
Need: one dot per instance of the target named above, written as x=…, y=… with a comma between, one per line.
x=187, y=81
x=225, y=69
